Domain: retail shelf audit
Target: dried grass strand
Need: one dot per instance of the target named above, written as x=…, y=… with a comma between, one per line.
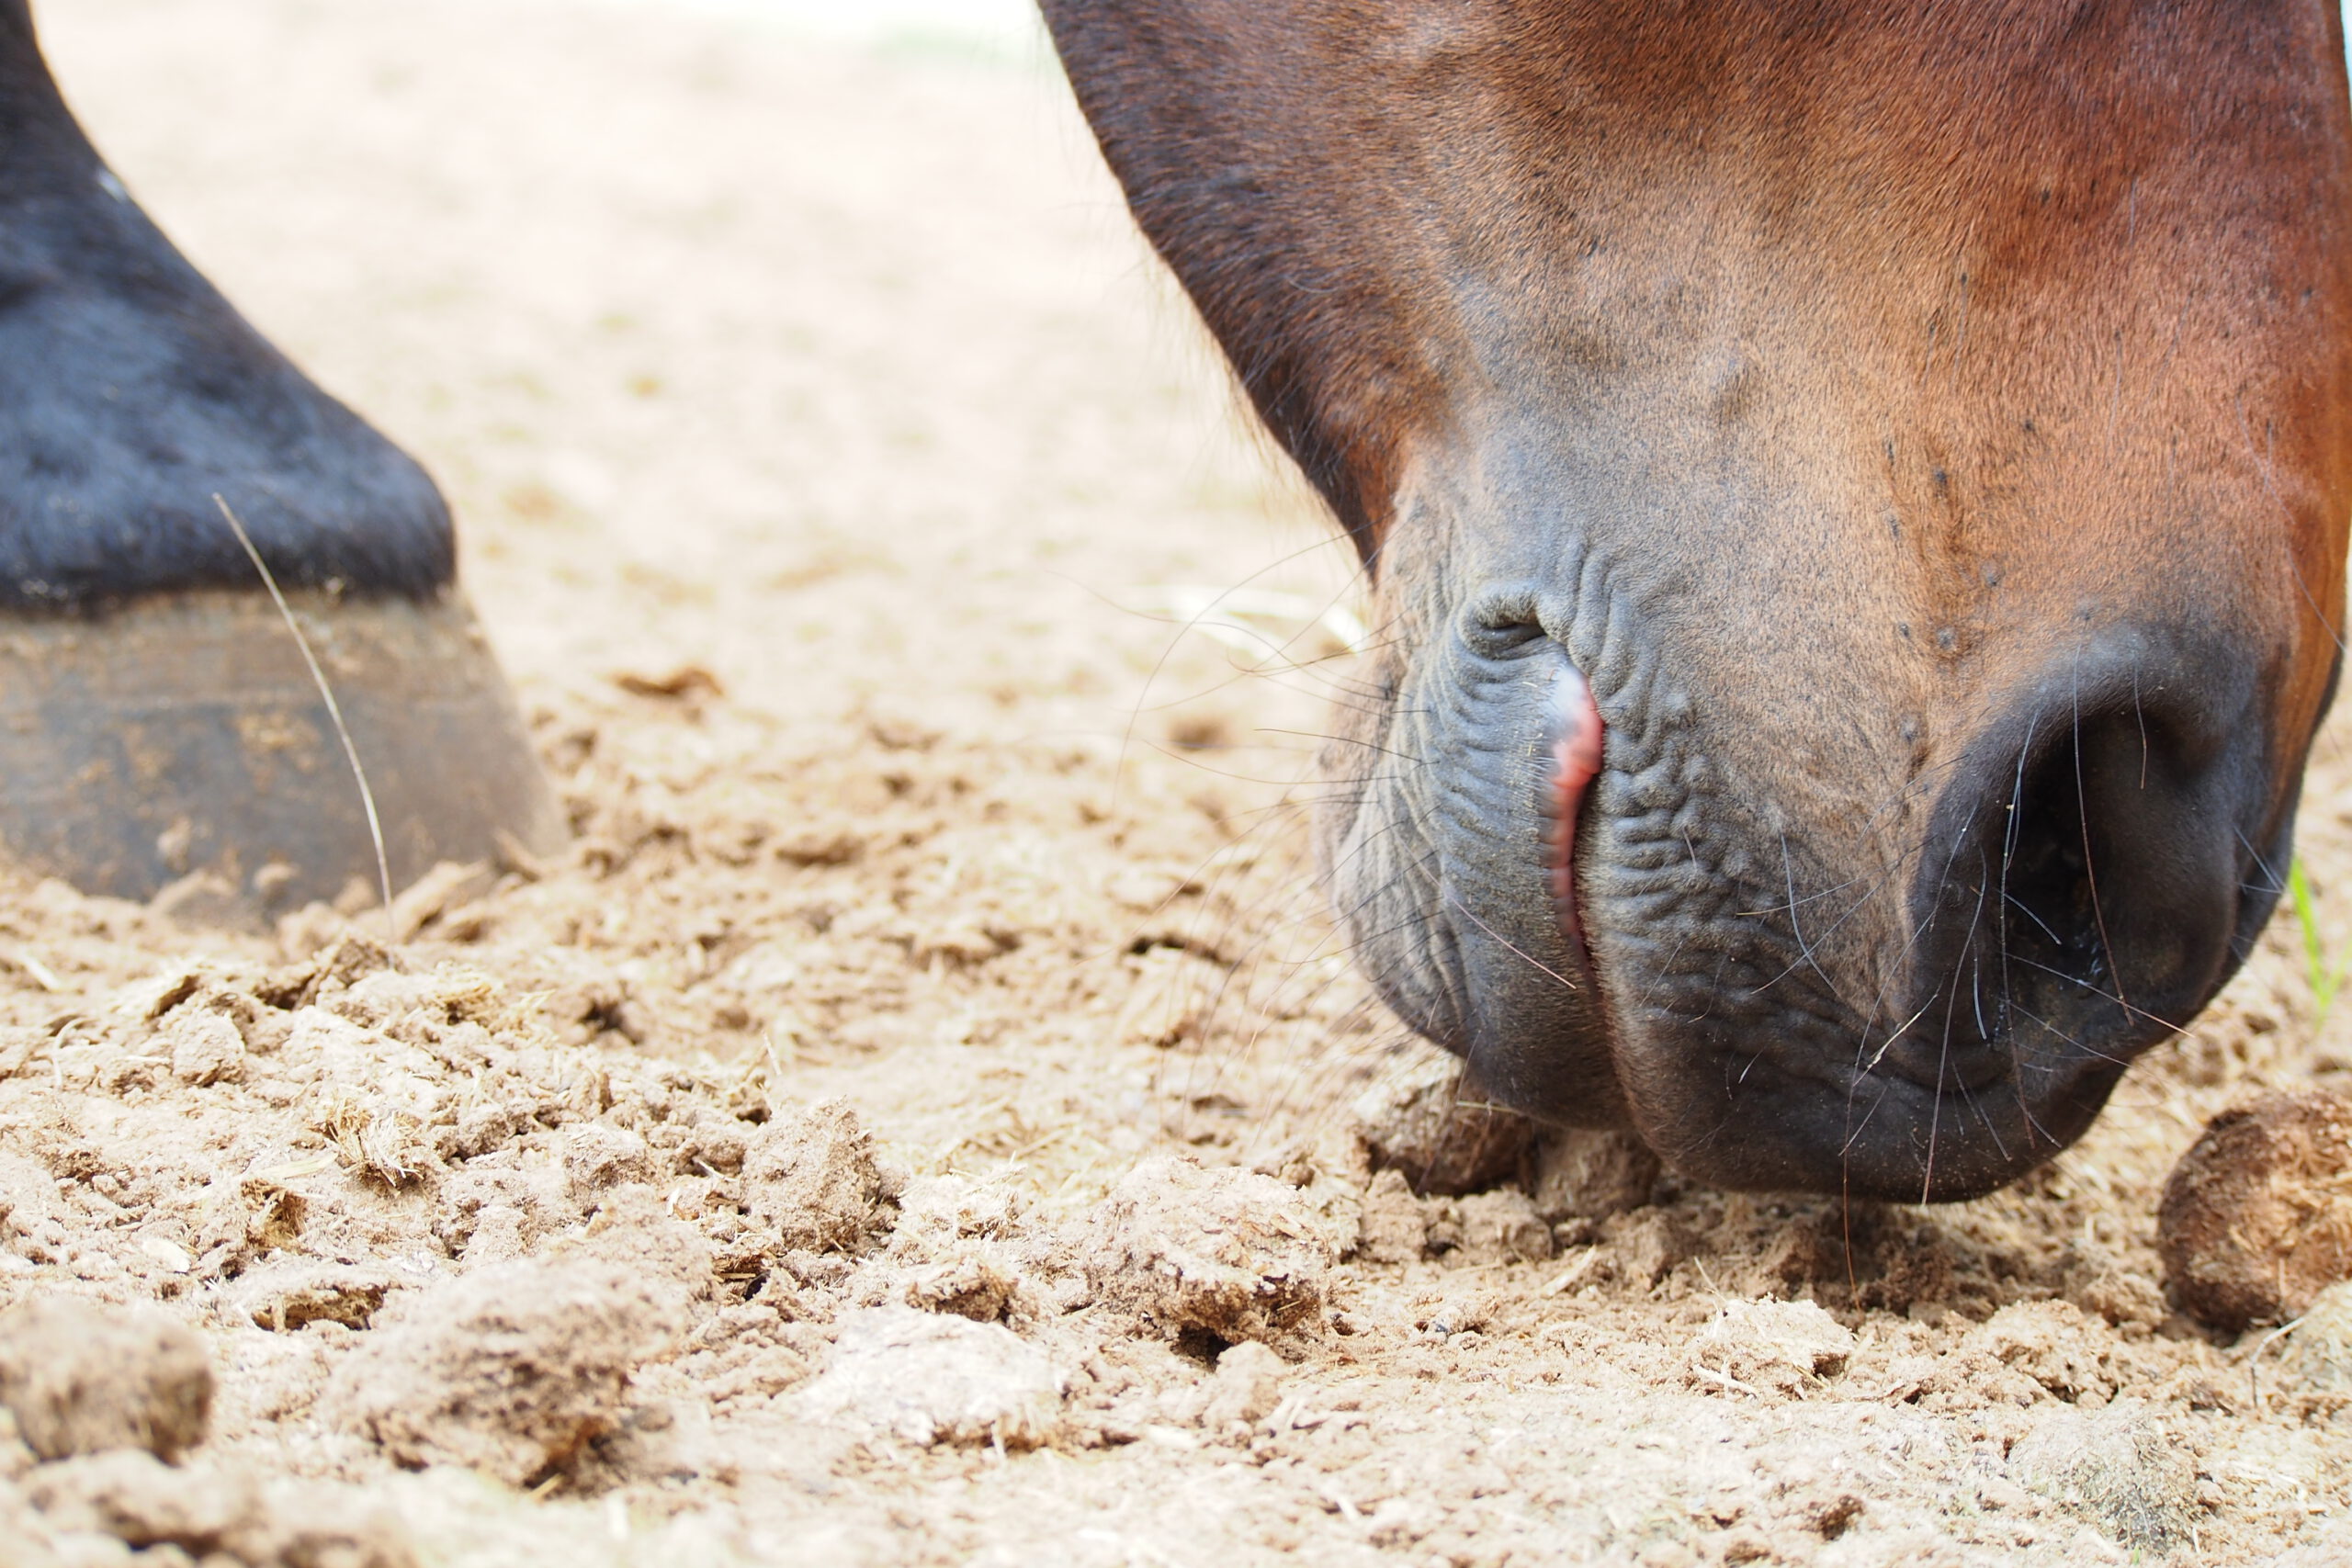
x=334, y=710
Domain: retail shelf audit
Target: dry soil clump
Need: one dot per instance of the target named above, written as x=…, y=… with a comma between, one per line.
x=924, y=1379
x=1230, y=1255
x=512, y=1369
x=2257, y=1216
x=82, y=1377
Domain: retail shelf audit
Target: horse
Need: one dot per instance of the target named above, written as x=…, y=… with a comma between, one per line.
x=1854, y=493
x=1855, y=496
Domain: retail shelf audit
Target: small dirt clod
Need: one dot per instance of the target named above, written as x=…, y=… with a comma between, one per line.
x=1425, y=1121
x=812, y=1175
x=925, y=1379
x=1248, y=1386
x=512, y=1369
x=1227, y=1253
x=82, y=1377
x=1502, y=1226
x=1770, y=1349
x=2257, y=1218
x=1592, y=1174
x=206, y=1048
x=215, y=1515
x=2055, y=1343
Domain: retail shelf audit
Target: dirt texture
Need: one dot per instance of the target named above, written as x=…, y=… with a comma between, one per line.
x=925, y=1117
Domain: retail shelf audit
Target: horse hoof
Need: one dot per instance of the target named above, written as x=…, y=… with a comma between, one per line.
x=182, y=740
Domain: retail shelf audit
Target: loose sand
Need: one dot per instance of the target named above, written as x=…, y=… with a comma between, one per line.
x=912, y=1123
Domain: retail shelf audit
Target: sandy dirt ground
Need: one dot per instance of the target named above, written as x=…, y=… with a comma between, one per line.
x=922, y=1118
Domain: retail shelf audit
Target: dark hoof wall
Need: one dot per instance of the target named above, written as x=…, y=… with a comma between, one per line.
x=183, y=737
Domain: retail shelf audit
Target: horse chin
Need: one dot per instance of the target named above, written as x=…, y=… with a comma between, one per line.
x=1875, y=1135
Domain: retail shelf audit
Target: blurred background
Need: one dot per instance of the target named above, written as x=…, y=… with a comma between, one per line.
x=807, y=343
x=1003, y=26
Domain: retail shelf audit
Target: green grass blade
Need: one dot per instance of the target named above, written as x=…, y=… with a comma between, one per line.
x=2325, y=978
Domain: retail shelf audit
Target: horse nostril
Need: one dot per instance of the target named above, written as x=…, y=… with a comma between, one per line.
x=2107, y=877
x=2050, y=909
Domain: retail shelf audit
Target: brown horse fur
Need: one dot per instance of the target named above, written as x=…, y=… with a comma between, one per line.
x=1928, y=426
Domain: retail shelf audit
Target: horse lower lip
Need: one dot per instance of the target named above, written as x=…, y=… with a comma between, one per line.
x=1576, y=759
x=1939, y=1067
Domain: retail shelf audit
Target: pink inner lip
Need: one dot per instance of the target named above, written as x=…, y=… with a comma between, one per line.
x=1575, y=759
